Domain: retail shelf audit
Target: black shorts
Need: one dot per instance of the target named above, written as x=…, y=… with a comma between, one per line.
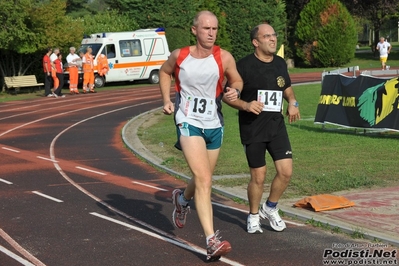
x=279, y=148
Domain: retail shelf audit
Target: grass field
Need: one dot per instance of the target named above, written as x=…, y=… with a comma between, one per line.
x=325, y=160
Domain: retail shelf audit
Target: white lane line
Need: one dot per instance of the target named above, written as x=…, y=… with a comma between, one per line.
x=5, y=181
x=92, y=171
x=177, y=243
x=47, y=159
x=47, y=196
x=20, y=249
x=237, y=209
x=142, y=184
x=8, y=149
x=15, y=257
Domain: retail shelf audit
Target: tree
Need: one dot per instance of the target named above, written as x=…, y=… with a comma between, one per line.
x=242, y=16
x=108, y=21
x=376, y=11
x=295, y=7
x=326, y=34
x=81, y=8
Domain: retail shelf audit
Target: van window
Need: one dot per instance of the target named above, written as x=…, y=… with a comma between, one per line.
x=110, y=51
x=130, y=48
x=154, y=46
x=94, y=46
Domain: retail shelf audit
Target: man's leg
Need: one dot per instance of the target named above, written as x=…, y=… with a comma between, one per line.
x=281, y=179
x=91, y=82
x=383, y=60
x=202, y=163
x=73, y=80
x=255, y=188
x=85, y=81
x=47, y=84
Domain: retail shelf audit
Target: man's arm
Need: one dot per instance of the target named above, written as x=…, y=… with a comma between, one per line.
x=165, y=81
x=293, y=108
x=235, y=82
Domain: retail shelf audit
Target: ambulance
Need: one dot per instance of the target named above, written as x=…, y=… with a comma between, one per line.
x=134, y=55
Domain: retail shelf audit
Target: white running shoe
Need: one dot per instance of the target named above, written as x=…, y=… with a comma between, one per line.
x=274, y=218
x=253, y=224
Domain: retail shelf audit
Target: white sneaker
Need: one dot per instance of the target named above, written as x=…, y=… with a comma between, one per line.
x=253, y=224
x=50, y=95
x=274, y=218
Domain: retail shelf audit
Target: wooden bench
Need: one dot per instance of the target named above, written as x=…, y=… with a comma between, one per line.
x=18, y=82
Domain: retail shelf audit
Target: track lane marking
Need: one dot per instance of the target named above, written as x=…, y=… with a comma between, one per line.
x=20, y=249
x=46, y=159
x=74, y=111
x=89, y=170
x=163, y=238
x=8, y=149
x=15, y=256
x=74, y=102
x=5, y=181
x=146, y=185
x=47, y=196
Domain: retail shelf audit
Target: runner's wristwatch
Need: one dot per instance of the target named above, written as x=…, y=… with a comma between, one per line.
x=238, y=93
x=296, y=104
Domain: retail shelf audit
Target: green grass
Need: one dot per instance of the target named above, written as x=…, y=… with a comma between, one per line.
x=325, y=160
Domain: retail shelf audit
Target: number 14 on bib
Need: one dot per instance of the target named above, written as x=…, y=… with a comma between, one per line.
x=272, y=100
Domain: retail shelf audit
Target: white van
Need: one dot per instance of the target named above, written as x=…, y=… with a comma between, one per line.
x=133, y=55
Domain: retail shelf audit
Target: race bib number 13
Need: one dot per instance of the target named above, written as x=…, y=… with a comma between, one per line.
x=200, y=108
x=273, y=100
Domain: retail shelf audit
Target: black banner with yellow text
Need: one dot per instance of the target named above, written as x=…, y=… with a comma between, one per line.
x=362, y=102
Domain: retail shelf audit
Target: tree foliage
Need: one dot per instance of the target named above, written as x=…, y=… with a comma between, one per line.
x=242, y=16
x=15, y=33
x=326, y=34
x=376, y=11
x=108, y=21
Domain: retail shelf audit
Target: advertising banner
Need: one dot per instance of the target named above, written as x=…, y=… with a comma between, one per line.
x=363, y=102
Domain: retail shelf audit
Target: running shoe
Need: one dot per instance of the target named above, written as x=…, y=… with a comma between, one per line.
x=180, y=211
x=216, y=248
x=272, y=215
x=253, y=224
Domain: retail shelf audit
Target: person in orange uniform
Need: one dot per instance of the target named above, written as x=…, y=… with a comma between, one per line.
x=73, y=70
x=88, y=71
x=102, y=65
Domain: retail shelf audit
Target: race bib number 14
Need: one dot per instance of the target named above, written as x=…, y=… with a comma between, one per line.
x=272, y=100
x=200, y=108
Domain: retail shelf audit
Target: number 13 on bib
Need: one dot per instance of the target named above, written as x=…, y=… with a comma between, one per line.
x=272, y=100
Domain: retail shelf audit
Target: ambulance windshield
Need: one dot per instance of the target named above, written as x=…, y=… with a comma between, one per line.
x=94, y=46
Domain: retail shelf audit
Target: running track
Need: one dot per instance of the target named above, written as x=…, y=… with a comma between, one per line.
x=72, y=194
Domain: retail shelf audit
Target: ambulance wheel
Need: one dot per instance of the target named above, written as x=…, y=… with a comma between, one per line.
x=154, y=77
x=99, y=81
